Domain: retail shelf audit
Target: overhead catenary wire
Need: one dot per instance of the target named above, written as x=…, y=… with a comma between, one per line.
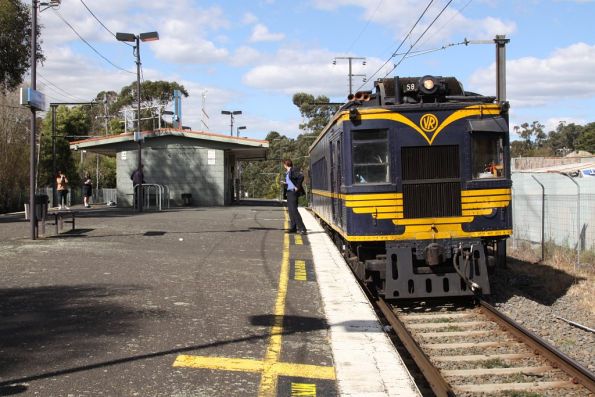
x=400, y=45
x=446, y=23
x=89, y=44
x=419, y=38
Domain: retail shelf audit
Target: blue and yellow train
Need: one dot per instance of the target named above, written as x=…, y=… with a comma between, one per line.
x=413, y=181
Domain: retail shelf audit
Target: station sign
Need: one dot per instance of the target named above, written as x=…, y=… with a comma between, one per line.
x=33, y=99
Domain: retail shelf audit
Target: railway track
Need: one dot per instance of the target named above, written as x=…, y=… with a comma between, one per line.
x=473, y=349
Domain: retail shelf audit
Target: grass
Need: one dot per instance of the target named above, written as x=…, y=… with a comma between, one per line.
x=495, y=363
x=522, y=394
x=559, y=272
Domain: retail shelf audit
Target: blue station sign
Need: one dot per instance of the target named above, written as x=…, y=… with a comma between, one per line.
x=32, y=98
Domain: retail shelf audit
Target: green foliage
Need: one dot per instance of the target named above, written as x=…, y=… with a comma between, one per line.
x=586, y=141
x=15, y=124
x=71, y=124
x=564, y=139
x=15, y=44
x=316, y=112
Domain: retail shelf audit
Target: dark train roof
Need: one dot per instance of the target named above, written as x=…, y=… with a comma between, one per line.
x=411, y=90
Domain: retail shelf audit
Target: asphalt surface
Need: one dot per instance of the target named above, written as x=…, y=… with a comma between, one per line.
x=153, y=304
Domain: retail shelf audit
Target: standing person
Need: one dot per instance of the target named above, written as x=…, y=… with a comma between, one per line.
x=138, y=178
x=87, y=190
x=294, y=180
x=62, y=187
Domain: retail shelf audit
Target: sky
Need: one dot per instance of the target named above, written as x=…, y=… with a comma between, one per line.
x=252, y=56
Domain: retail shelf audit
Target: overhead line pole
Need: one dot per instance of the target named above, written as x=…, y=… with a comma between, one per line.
x=351, y=75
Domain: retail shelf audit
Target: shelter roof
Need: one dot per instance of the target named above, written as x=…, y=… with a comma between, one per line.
x=243, y=148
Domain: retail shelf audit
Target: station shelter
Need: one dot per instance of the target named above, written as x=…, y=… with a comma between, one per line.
x=196, y=167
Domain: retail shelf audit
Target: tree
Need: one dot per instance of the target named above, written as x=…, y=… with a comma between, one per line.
x=14, y=153
x=154, y=94
x=15, y=44
x=586, y=141
x=71, y=124
x=316, y=112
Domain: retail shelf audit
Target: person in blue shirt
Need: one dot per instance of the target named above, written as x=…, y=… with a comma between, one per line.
x=294, y=180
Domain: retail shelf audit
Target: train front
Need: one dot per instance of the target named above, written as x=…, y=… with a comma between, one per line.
x=428, y=177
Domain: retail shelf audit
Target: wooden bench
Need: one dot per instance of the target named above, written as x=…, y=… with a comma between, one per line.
x=59, y=216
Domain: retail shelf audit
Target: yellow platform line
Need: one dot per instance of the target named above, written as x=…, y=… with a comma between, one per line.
x=298, y=240
x=299, y=270
x=251, y=365
x=270, y=367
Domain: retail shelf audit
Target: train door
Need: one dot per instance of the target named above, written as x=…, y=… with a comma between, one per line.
x=339, y=180
x=333, y=180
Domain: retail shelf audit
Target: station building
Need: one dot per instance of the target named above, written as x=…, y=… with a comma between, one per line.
x=197, y=163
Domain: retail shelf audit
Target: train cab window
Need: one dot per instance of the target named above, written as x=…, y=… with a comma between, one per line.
x=370, y=156
x=488, y=155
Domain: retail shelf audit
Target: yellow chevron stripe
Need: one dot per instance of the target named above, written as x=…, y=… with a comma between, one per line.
x=485, y=192
x=487, y=211
x=485, y=199
x=372, y=210
x=388, y=215
x=375, y=203
x=434, y=221
x=495, y=204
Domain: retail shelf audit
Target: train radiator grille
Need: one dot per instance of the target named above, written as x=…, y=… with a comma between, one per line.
x=431, y=181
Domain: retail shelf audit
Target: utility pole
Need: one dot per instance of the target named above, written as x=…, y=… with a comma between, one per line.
x=351, y=75
x=32, y=176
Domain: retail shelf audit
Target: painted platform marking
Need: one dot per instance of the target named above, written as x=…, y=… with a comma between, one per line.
x=298, y=240
x=303, y=390
x=270, y=367
x=299, y=270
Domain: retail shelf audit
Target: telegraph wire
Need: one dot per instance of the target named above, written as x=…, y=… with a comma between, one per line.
x=400, y=45
x=101, y=23
x=61, y=89
x=419, y=38
x=90, y=46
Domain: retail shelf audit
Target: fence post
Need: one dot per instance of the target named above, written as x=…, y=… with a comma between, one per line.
x=542, y=218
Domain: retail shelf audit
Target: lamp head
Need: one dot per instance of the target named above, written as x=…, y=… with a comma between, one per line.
x=125, y=37
x=149, y=36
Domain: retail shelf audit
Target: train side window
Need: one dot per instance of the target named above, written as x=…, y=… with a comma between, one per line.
x=370, y=156
x=488, y=155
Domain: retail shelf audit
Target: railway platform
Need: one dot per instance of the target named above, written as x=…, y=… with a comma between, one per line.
x=212, y=301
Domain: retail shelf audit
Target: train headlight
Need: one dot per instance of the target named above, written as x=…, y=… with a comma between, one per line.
x=428, y=85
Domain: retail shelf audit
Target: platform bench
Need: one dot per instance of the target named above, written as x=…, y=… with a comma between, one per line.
x=59, y=220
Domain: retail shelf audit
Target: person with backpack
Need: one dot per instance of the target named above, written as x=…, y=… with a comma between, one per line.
x=294, y=180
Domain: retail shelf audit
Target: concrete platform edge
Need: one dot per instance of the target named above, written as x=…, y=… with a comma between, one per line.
x=366, y=362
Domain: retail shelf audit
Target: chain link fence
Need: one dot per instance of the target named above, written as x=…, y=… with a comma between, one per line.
x=553, y=209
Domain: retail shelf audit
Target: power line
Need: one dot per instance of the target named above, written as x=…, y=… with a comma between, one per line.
x=400, y=45
x=101, y=23
x=419, y=38
x=61, y=89
x=90, y=46
x=460, y=11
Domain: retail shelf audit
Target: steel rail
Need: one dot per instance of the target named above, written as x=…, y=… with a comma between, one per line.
x=579, y=373
x=433, y=376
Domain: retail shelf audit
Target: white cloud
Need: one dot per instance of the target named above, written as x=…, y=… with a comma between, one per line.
x=566, y=74
x=245, y=56
x=399, y=16
x=261, y=33
x=293, y=70
x=249, y=18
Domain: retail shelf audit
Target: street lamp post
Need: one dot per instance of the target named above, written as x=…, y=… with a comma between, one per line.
x=231, y=113
x=131, y=37
x=240, y=128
